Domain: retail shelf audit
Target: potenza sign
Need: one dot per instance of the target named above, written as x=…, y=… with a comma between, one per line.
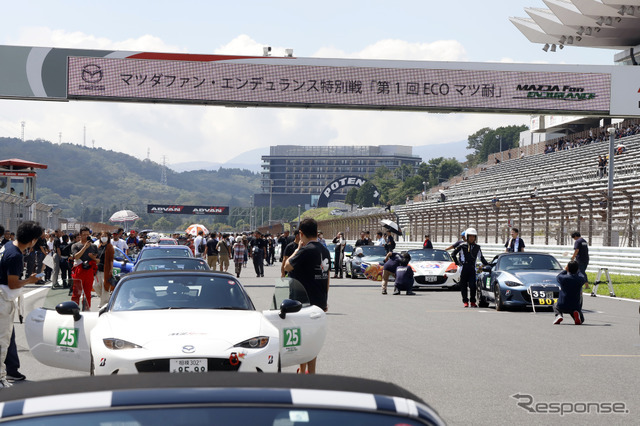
x=343, y=182
x=179, y=209
x=299, y=84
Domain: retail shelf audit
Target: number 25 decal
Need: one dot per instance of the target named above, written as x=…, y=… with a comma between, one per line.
x=67, y=337
x=291, y=337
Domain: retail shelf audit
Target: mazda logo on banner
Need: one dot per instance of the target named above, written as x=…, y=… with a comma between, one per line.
x=92, y=74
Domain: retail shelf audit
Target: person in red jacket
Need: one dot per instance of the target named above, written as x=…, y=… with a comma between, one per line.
x=85, y=264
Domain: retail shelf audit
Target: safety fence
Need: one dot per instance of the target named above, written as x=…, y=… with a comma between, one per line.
x=14, y=210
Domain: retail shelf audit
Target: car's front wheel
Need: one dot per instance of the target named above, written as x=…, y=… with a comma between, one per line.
x=498, y=295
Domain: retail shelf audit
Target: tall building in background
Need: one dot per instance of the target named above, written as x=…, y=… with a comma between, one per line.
x=294, y=174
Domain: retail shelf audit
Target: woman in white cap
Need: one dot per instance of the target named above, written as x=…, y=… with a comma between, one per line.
x=469, y=252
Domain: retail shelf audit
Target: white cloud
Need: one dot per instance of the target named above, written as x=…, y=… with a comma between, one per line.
x=188, y=133
x=441, y=50
x=47, y=37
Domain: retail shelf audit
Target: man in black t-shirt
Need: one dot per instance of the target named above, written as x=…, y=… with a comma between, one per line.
x=288, y=251
x=211, y=251
x=284, y=240
x=56, y=257
x=309, y=264
x=258, y=252
x=581, y=254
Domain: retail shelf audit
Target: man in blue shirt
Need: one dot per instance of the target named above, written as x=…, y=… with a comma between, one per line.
x=570, y=298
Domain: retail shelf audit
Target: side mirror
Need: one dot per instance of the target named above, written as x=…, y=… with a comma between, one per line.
x=119, y=258
x=288, y=306
x=69, y=308
x=487, y=268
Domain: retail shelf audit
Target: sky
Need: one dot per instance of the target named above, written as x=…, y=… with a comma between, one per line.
x=477, y=31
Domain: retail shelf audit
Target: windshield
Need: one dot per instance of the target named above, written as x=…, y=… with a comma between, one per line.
x=429, y=255
x=538, y=262
x=173, y=291
x=373, y=251
x=165, y=252
x=160, y=264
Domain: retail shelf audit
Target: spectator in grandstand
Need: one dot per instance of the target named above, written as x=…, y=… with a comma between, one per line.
x=620, y=149
x=495, y=201
x=515, y=243
x=534, y=193
x=581, y=254
x=601, y=165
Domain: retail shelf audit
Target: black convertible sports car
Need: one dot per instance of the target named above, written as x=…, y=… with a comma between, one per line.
x=519, y=279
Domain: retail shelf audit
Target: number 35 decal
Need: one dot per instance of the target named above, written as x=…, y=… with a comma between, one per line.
x=67, y=337
x=291, y=337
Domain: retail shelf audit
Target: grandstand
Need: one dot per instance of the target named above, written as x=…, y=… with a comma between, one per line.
x=570, y=196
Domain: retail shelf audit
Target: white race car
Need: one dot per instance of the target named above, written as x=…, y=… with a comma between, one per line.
x=179, y=321
x=433, y=268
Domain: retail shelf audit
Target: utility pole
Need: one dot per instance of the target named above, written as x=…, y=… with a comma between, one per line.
x=270, y=197
x=612, y=137
x=23, y=123
x=84, y=136
x=163, y=179
x=60, y=138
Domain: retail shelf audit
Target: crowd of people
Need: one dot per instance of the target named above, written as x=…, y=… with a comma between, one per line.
x=595, y=136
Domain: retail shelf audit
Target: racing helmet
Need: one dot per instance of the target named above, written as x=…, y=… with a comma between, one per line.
x=358, y=252
x=471, y=231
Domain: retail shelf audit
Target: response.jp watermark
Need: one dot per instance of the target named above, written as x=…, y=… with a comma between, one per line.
x=529, y=404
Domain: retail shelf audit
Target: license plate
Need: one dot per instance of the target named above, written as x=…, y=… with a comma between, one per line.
x=431, y=279
x=197, y=365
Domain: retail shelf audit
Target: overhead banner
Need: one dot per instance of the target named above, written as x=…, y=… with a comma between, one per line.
x=312, y=86
x=178, y=209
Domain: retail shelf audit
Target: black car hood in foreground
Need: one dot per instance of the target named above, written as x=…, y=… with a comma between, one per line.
x=533, y=277
x=220, y=388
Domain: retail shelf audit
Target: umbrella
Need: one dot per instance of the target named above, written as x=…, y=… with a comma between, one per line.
x=195, y=228
x=391, y=226
x=124, y=216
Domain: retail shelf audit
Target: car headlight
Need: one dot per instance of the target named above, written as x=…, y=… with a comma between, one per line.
x=513, y=283
x=254, y=343
x=113, y=343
